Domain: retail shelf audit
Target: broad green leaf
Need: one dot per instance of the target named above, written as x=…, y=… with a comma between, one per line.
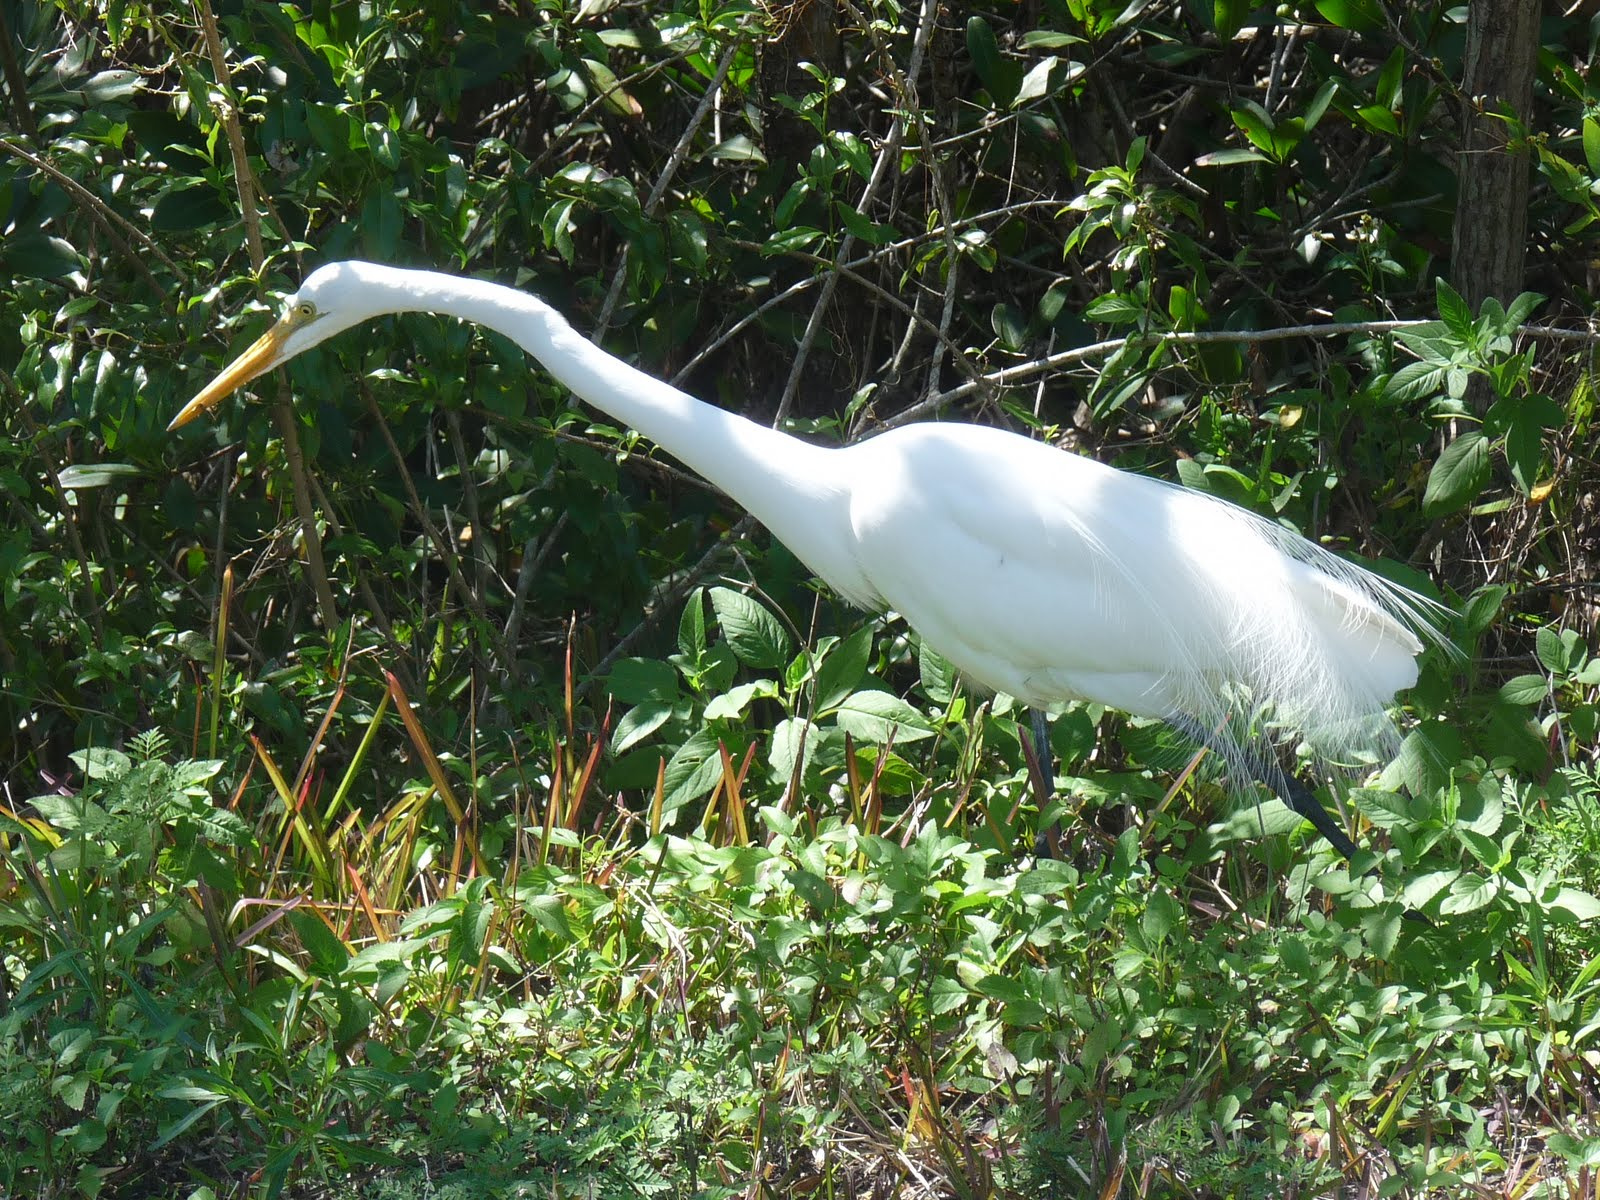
x=637, y=680
x=842, y=669
x=82, y=476
x=36, y=256
x=1591, y=145
x=1453, y=310
x=1555, y=654
x=1525, y=690
x=692, y=626
x=638, y=723
x=1009, y=325
x=1468, y=893
x=1383, y=809
x=877, y=716
x=1423, y=888
x=758, y=638
x=1228, y=17
x=1461, y=472
x=1230, y=157
x=938, y=674
x=1413, y=383
x=1573, y=903
x=1363, y=16
x=732, y=703
x=1037, y=81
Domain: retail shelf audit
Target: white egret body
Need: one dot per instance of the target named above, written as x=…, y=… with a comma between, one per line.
x=1037, y=572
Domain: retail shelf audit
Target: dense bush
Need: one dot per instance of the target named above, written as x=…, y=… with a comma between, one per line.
x=404, y=788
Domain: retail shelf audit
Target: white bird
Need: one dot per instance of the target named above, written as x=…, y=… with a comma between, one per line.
x=1035, y=571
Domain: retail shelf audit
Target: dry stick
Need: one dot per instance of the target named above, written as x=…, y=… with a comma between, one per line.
x=101, y=214
x=880, y=171
x=282, y=410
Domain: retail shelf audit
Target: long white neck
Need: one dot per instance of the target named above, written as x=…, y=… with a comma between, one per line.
x=798, y=491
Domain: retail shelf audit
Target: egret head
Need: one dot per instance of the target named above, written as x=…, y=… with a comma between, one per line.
x=332, y=299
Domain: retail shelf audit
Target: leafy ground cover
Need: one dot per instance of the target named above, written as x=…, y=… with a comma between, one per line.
x=426, y=789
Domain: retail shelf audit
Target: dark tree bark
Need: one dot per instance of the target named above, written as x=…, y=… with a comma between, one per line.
x=1491, y=225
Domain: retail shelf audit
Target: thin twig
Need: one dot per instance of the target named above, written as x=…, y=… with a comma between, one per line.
x=101, y=213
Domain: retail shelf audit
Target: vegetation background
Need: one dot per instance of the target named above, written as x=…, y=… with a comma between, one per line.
x=414, y=786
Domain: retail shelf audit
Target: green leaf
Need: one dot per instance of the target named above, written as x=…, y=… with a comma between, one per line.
x=637, y=680
x=1230, y=157
x=1525, y=690
x=1460, y=474
x=1037, y=81
x=1383, y=809
x=757, y=638
x=692, y=627
x=1414, y=383
x=998, y=76
x=1009, y=325
x=1228, y=17
x=1468, y=893
x=188, y=207
x=1363, y=16
x=35, y=256
x=1553, y=651
x=1525, y=450
x=1453, y=310
x=1423, y=888
x=842, y=669
x=1591, y=145
x=937, y=673
x=1483, y=607
x=82, y=476
x=692, y=771
x=1575, y=904
x=877, y=716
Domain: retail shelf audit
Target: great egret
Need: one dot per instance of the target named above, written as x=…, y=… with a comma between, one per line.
x=1036, y=572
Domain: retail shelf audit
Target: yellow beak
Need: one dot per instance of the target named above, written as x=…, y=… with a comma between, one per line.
x=264, y=353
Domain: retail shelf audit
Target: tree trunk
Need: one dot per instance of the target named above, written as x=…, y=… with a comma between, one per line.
x=1492, y=204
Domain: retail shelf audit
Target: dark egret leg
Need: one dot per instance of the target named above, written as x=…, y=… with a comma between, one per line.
x=1278, y=781
x=1041, y=747
x=1044, y=845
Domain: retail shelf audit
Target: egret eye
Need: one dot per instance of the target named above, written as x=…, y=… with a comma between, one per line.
x=305, y=310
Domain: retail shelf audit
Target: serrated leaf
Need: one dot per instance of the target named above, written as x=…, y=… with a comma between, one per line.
x=1383, y=809
x=1420, y=891
x=757, y=638
x=1453, y=310
x=1552, y=650
x=937, y=673
x=1458, y=476
x=1468, y=893
x=875, y=717
x=1525, y=690
x=1413, y=383
x=692, y=626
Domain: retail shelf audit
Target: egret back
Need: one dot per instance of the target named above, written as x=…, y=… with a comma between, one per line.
x=1052, y=577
